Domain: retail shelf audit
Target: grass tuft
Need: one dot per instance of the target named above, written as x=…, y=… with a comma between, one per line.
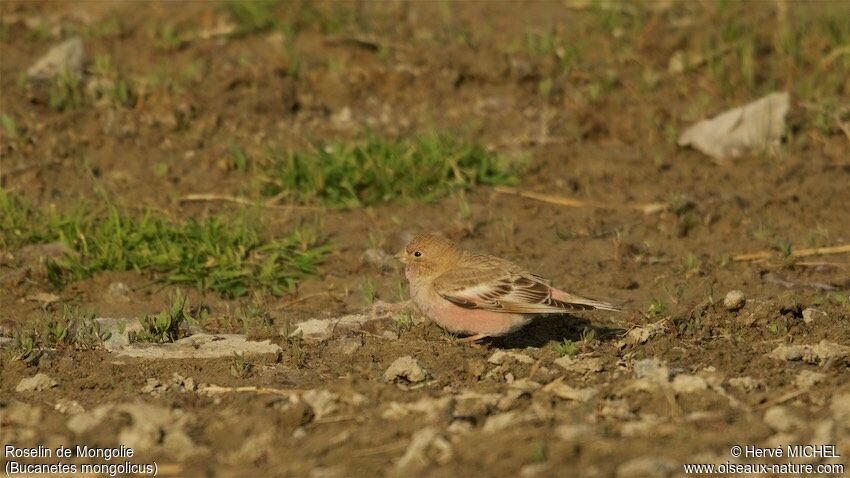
x=377, y=170
x=228, y=256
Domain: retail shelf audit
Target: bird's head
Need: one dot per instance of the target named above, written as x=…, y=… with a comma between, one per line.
x=427, y=256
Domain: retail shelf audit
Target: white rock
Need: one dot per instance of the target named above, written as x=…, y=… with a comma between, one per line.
x=734, y=300
x=321, y=401
x=526, y=385
x=819, y=353
x=781, y=419
x=810, y=315
x=755, y=127
x=581, y=365
x=36, y=383
x=405, y=369
x=321, y=329
x=64, y=56
x=746, y=383
x=689, y=384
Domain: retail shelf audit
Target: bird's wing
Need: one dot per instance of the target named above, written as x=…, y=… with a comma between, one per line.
x=490, y=283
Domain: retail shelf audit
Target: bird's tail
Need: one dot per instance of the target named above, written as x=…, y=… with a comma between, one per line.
x=585, y=301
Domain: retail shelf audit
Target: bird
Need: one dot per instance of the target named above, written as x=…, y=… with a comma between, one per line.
x=479, y=294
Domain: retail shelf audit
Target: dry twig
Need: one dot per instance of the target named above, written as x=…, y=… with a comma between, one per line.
x=814, y=251
x=647, y=208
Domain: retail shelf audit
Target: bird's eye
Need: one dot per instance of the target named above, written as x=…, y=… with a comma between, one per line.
x=417, y=254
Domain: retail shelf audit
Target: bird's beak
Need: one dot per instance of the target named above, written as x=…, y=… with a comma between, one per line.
x=400, y=255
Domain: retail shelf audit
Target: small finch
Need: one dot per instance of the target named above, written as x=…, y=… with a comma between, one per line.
x=479, y=294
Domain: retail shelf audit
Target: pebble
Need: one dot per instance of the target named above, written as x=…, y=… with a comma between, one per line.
x=810, y=315
x=573, y=432
x=500, y=356
x=405, y=369
x=67, y=55
x=36, y=383
x=580, y=365
x=321, y=401
x=734, y=300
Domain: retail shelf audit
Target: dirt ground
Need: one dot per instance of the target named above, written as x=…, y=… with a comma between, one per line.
x=583, y=95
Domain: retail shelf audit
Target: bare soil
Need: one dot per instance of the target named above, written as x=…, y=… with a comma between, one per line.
x=603, y=130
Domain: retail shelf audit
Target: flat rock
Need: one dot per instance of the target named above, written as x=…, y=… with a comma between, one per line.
x=405, y=369
x=814, y=354
x=321, y=329
x=66, y=56
x=499, y=357
x=119, y=331
x=200, y=346
x=36, y=383
x=755, y=127
x=582, y=365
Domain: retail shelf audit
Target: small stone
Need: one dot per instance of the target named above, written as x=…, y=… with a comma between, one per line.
x=820, y=353
x=321, y=401
x=66, y=56
x=807, y=379
x=746, y=383
x=810, y=315
x=460, y=427
x=526, y=385
x=345, y=345
x=734, y=300
x=500, y=356
x=689, y=384
x=781, y=419
x=582, y=365
x=36, y=383
x=405, y=369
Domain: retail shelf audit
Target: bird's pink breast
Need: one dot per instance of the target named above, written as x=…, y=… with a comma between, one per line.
x=460, y=319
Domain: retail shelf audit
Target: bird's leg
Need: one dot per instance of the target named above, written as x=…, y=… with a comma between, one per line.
x=472, y=338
